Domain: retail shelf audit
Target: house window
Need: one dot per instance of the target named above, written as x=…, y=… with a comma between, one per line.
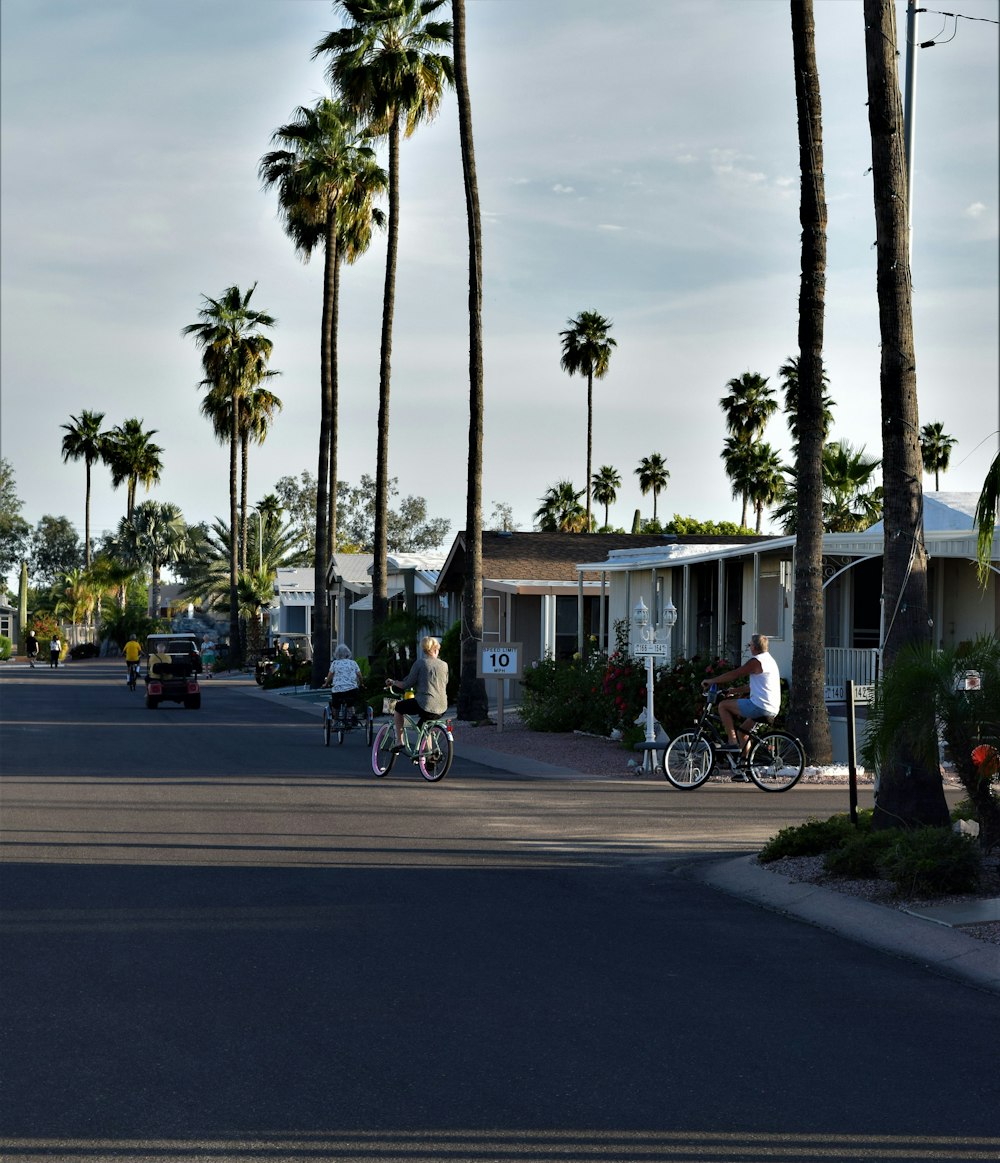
x=491, y=616
x=295, y=620
x=5, y=620
x=772, y=597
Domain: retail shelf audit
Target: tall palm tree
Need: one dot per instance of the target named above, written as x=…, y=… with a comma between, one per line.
x=327, y=179
x=257, y=409
x=234, y=354
x=935, y=450
x=388, y=65
x=155, y=536
x=586, y=351
x=208, y=576
x=767, y=483
x=748, y=406
x=133, y=459
x=605, y=484
x=85, y=441
x=738, y=461
x=473, y=704
x=789, y=375
x=653, y=475
x=560, y=510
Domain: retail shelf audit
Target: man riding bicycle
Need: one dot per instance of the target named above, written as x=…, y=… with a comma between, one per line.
x=762, y=697
x=133, y=652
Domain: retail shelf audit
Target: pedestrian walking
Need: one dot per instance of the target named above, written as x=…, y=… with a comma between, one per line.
x=31, y=649
x=55, y=649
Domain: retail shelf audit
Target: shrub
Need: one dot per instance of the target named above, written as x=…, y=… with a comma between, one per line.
x=813, y=838
x=932, y=862
x=677, y=693
x=860, y=856
x=6, y=647
x=567, y=696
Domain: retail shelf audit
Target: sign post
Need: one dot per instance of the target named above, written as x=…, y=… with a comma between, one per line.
x=500, y=660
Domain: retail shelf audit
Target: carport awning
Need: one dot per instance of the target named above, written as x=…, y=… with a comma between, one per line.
x=365, y=603
x=296, y=597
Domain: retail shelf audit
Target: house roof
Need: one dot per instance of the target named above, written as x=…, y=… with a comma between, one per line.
x=524, y=559
x=946, y=511
x=351, y=569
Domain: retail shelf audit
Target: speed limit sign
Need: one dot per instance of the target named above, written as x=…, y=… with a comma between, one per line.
x=500, y=660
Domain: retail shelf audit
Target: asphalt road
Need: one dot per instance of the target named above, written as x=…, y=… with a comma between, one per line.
x=221, y=940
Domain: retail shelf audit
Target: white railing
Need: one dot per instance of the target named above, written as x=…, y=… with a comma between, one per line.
x=843, y=663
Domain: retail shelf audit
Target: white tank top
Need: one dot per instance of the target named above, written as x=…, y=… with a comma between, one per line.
x=765, y=688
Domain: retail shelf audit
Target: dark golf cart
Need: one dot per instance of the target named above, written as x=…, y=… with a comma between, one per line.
x=173, y=663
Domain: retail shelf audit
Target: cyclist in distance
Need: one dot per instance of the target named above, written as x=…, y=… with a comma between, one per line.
x=429, y=679
x=760, y=700
x=132, y=652
x=344, y=680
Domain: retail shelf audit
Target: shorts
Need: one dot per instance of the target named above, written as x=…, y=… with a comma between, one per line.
x=412, y=708
x=750, y=710
x=344, y=698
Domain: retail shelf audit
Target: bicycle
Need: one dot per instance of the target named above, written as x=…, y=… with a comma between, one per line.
x=774, y=762
x=347, y=720
x=429, y=744
x=133, y=674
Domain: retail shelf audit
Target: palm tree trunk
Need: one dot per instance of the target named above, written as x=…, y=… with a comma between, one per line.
x=808, y=717
x=235, y=652
x=86, y=521
x=380, y=599
x=908, y=792
x=244, y=470
x=590, y=440
x=321, y=610
x=334, y=405
x=473, y=703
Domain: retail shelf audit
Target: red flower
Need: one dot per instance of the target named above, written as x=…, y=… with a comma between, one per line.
x=986, y=759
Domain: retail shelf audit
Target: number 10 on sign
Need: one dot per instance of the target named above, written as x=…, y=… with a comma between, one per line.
x=500, y=660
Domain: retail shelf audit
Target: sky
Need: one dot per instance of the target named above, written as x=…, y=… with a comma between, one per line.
x=639, y=160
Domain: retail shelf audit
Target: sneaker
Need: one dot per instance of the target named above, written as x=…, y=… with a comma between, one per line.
x=397, y=749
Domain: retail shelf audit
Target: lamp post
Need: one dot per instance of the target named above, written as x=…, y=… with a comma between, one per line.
x=649, y=648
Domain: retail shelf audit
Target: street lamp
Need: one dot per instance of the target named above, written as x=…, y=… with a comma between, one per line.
x=649, y=649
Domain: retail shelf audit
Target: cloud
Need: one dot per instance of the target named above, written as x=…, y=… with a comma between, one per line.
x=609, y=226
x=558, y=188
x=976, y=210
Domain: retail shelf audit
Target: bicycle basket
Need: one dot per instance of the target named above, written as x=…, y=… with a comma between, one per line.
x=389, y=705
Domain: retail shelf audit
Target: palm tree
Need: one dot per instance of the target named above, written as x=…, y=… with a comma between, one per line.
x=327, y=179
x=388, y=66
x=155, y=536
x=605, y=484
x=653, y=475
x=807, y=407
x=257, y=409
x=910, y=790
x=85, y=441
x=586, y=351
x=560, y=510
x=76, y=595
x=748, y=406
x=767, y=483
x=255, y=594
x=208, y=575
x=133, y=459
x=473, y=704
x=738, y=461
x=935, y=450
x=987, y=508
x=789, y=375
x=852, y=502
x=235, y=353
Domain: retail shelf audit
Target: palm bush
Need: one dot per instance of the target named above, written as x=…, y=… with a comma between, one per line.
x=922, y=695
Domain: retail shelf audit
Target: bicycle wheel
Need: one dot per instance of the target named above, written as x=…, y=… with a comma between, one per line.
x=435, y=753
x=776, y=761
x=340, y=734
x=382, y=754
x=688, y=761
x=326, y=726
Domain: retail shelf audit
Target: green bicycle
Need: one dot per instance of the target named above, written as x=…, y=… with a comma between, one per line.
x=429, y=744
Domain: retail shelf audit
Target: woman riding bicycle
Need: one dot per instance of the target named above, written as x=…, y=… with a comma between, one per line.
x=764, y=691
x=429, y=679
x=344, y=680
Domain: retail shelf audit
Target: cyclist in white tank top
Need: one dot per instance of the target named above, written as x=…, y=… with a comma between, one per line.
x=764, y=690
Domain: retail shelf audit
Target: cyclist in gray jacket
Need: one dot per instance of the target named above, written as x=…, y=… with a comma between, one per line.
x=429, y=679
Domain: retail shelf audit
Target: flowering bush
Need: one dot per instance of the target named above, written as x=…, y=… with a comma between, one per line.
x=986, y=760
x=677, y=697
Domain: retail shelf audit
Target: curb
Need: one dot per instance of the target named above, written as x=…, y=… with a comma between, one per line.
x=934, y=946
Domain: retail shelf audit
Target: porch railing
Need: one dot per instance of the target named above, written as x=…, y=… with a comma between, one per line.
x=843, y=663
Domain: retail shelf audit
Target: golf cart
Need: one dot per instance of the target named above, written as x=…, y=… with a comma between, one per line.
x=173, y=663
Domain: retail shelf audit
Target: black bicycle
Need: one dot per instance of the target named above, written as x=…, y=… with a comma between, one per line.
x=133, y=674
x=773, y=760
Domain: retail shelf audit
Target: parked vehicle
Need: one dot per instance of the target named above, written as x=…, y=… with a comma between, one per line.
x=173, y=663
